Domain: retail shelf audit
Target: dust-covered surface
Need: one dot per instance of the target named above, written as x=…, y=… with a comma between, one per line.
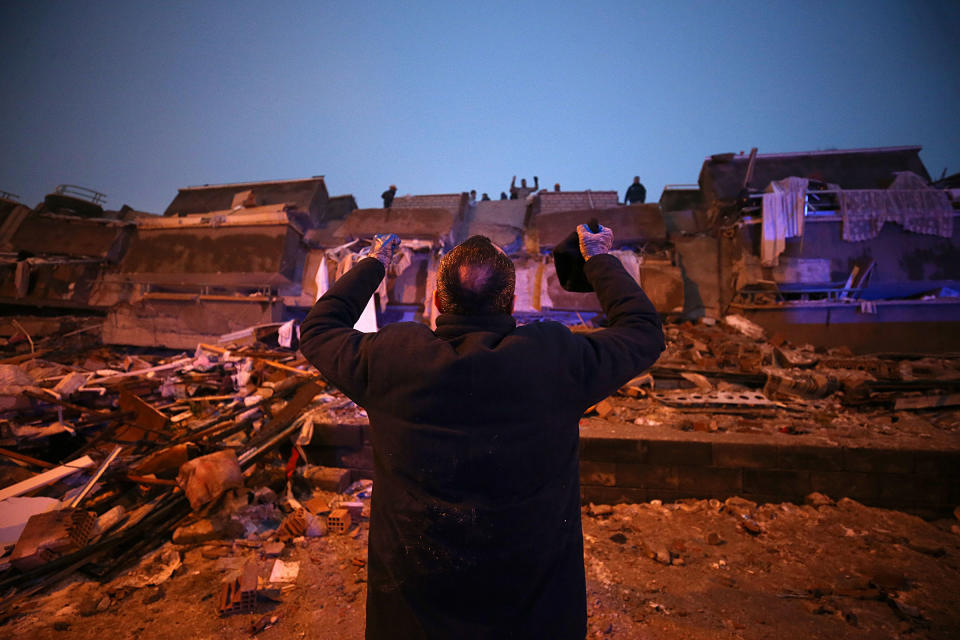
x=736, y=570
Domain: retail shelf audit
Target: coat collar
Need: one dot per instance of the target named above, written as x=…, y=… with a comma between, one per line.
x=450, y=325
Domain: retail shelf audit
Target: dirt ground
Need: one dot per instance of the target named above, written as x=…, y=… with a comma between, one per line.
x=691, y=570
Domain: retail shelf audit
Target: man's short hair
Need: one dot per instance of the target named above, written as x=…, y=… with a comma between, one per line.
x=476, y=278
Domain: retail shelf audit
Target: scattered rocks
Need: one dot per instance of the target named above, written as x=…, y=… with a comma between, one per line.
x=600, y=509
x=619, y=538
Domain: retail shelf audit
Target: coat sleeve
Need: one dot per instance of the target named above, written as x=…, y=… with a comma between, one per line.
x=327, y=337
x=633, y=339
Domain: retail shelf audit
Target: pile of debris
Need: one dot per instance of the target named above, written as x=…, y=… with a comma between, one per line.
x=107, y=453
x=729, y=375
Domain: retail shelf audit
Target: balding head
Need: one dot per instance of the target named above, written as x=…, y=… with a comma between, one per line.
x=475, y=278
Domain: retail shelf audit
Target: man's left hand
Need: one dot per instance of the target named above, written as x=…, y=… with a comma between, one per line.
x=383, y=247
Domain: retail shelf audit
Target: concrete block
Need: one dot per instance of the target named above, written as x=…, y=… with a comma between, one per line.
x=740, y=455
x=611, y=495
x=869, y=460
x=944, y=463
x=337, y=435
x=863, y=487
x=709, y=481
x=612, y=450
x=790, y=484
x=664, y=452
x=647, y=476
x=811, y=458
x=598, y=473
x=906, y=490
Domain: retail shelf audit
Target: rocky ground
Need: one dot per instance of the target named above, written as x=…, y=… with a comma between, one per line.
x=696, y=569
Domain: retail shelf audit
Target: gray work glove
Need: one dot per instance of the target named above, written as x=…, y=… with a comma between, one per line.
x=592, y=244
x=383, y=247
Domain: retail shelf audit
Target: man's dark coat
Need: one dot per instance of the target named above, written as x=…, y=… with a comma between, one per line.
x=475, y=523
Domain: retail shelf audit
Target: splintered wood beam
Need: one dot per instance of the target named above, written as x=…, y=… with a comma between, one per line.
x=13, y=455
x=266, y=361
x=47, y=477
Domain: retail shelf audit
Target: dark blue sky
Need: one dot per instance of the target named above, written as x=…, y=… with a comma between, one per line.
x=136, y=99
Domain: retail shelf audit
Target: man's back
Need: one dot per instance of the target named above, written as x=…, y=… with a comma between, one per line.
x=475, y=526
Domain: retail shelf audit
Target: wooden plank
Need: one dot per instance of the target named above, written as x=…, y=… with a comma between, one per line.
x=928, y=402
x=47, y=477
x=13, y=455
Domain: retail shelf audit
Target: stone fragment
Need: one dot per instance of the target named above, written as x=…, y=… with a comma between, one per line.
x=751, y=526
x=204, y=530
x=600, y=509
x=849, y=504
x=207, y=477
x=739, y=506
x=817, y=499
x=713, y=538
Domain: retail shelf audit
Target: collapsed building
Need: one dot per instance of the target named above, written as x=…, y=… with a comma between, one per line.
x=776, y=272
x=847, y=247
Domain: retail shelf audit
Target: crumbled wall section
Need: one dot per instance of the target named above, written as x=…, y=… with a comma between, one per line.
x=619, y=465
x=553, y=201
x=452, y=202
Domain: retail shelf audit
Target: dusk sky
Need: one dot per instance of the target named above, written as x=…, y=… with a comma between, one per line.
x=137, y=99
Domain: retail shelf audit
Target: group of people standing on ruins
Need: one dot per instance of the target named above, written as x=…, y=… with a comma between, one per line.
x=636, y=193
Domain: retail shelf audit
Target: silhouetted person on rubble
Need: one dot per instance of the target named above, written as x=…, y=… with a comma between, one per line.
x=503, y=195
x=388, y=196
x=636, y=192
x=484, y=198
x=521, y=192
x=475, y=527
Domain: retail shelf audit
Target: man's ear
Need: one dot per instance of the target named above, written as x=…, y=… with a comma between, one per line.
x=436, y=301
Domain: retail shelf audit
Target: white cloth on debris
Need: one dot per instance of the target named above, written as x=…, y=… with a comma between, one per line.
x=322, y=279
x=909, y=202
x=784, y=208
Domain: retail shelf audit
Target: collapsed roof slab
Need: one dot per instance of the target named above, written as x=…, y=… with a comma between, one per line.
x=260, y=248
x=631, y=224
x=306, y=194
x=500, y=220
x=722, y=175
x=52, y=234
x=406, y=222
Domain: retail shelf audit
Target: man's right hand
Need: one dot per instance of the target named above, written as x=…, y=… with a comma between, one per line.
x=383, y=247
x=592, y=244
